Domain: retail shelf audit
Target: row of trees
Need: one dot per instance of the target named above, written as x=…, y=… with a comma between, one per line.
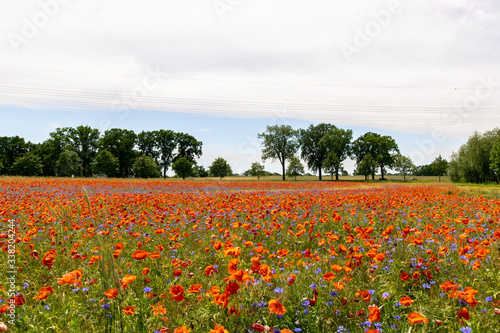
x=83, y=151
x=325, y=147
x=478, y=160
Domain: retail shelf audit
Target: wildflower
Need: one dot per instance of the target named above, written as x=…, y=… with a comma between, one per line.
x=417, y=318
x=466, y=329
x=276, y=307
x=278, y=290
x=177, y=293
x=147, y=289
x=129, y=310
x=111, y=293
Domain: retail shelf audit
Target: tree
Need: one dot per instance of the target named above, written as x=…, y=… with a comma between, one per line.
x=313, y=150
x=338, y=145
x=10, y=149
x=295, y=167
x=199, y=171
x=279, y=143
x=220, y=168
x=166, y=142
x=146, y=167
x=28, y=165
x=495, y=160
x=472, y=162
x=183, y=167
x=69, y=164
x=439, y=166
x=121, y=143
x=52, y=148
x=105, y=164
x=382, y=148
x=187, y=146
x=404, y=165
x=332, y=164
x=147, y=144
x=257, y=170
x=84, y=140
x=366, y=166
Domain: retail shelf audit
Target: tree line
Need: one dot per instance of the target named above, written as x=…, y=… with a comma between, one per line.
x=478, y=160
x=324, y=147
x=84, y=151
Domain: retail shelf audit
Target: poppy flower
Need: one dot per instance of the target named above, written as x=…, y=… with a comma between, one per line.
x=140, y=254
x=329, y=276
x=282, y=252
x=219, y=329
x=338, y=285
x=374, y=313
x=111, y=293
x=129, y=310
x=73, y=278
x=291, y=279
x=177, y=293
x=464, y=313
x=145, y=271
x=182, y=329
x=404, y=276
x=276, y=307
x=232, y=288
x=43, y=293
x=195, y=288
x=406, y=301
x=417, y=318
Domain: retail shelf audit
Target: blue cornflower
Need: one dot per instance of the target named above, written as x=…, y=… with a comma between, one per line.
x=305, y=303
x=278, y=290
x=297, y=329
x=306, y=311
x=333, y=293
x=105, y=306
x=317, y=271
x=147, y=289
x=426, y=286
x=488, y=298
x=313, y=285
x=371, y=291
x=47, y=307
x=466, y=329
x=25, y=285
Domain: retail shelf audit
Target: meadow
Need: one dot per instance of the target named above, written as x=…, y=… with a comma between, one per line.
x=104, y=255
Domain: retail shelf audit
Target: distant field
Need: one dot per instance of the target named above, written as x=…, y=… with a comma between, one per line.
x=328, y=178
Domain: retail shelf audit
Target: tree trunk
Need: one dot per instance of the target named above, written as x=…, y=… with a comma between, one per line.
x=439, y=178
x=320, y=173
x=404, y=177
x=382, y=171
x=283, y=169
x=336, y=175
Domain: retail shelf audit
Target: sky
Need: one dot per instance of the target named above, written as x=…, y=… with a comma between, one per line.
x=426, y=73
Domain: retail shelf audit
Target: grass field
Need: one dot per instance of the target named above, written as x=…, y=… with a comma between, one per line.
x=109, y=255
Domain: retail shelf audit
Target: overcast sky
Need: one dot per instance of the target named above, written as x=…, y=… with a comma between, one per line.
x=425, y=72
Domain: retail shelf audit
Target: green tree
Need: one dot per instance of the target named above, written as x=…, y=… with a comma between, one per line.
x=220, y=168
x=366, y=166
x=187, y=146
x=183, y=167
x=121, y=143
x=403, y=165
x=439, y=166
x=338, y=144
x=105, y=164
x=146, y=167
x=166, y=142
x=84, y=140
x=332, y=165
x=495, y=160
x=28, y=165
x=69, y=164
x=10, y=149
x=52, y=148
x=279, y=143
x=257, y=170
x=148, y=145
x=313, y=150
x=199, y=171
x=295, y=167
x=382, y=148
x=472, y=162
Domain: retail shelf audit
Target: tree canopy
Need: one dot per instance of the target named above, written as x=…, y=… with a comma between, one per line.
x=220, y=168
x=279, y=143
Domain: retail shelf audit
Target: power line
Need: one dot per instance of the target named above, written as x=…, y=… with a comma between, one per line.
x=237, y=81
